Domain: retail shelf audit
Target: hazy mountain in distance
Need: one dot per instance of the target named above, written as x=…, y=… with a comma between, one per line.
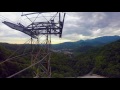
x=91, y=42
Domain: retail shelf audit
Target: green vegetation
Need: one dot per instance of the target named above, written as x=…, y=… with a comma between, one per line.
x=107, y=60
x=14, y=65
x=62, y=65
x=65, y=66
x=104, y=60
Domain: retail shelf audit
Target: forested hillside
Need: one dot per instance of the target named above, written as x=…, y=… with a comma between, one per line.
x=62, y=65
x=107, y=60
x=14, y=65
x=104, y=60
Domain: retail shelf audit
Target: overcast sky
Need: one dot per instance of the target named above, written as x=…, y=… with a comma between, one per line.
x=78, y=26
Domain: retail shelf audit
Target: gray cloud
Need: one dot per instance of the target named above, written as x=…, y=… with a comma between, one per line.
x=93, y=24
x=78, y=25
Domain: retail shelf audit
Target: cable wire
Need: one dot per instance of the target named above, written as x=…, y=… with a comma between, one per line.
x=12, y=54
x=27, y=67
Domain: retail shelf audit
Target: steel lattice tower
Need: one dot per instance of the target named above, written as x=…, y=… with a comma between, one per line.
x=36, y=30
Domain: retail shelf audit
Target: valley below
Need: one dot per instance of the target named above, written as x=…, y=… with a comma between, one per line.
x=103, y=60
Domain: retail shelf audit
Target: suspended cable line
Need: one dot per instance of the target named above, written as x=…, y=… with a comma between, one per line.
x=27, y=67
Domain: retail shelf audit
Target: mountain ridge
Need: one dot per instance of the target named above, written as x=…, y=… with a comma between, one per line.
x=90, y=42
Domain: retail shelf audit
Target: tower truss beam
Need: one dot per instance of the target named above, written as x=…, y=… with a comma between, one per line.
x=34, y=30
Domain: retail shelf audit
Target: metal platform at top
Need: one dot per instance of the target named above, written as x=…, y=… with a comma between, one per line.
x=36, y=28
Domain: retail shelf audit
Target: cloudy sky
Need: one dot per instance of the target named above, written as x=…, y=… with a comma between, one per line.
x=78, y=26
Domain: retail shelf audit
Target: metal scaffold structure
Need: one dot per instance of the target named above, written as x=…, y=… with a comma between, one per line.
x=40, y=32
